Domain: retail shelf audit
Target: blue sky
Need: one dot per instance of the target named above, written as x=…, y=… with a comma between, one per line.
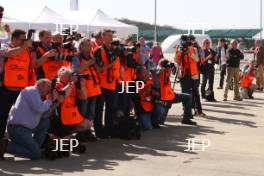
x=177, y=13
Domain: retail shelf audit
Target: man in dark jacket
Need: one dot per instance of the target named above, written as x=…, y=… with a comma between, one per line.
x=259, y=50
x=221, y=58
x=234, y=56
x=208, y=68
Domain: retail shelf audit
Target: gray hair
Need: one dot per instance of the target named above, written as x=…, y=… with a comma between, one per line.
x=64, y=70
x=82, y=41
x=42, y=81
x=233, y=40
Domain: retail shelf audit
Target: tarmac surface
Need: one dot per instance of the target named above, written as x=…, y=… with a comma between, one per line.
x=235, y=131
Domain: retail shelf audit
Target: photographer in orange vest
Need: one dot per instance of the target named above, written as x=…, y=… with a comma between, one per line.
x=84, y=64
x=69, y=119
x=187, y=58
x=47, y=65
x=247, y=87
x=16, y=73
x=167, y=94
x=109, y=72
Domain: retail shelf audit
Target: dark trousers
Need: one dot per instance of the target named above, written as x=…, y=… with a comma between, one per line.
x=110, y=99
x=7, y=99
x=191, y=87
x=208, y=76
x=222, y=75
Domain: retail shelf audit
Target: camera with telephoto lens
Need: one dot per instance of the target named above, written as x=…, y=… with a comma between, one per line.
x=35, y=44
x=79, y=77
x=185, y=42
x=61, y=56
x=169, y=65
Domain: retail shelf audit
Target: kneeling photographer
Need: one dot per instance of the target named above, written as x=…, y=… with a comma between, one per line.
x=84, y=64
x=167, y=94
x=68, y=119
x=26, y=119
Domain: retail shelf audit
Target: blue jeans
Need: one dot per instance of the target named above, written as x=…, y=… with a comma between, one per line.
x=87, y=107
x=23, y=144
x=158, y=113
x=186, y=100
x=145, y=120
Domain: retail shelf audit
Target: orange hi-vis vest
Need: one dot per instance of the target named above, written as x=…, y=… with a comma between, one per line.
x=137, y=56
x=129, y=73
x=69, y=113
x=51, y=67
x=247, y=79
x=146, y=98
x=93, y=83
x=16, y=70
x=166, y=91
x=109, y=77
x=95, y=46
x=188, y=63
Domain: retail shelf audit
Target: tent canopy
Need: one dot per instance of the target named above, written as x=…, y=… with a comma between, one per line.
x=96, y=20
x=51, y=20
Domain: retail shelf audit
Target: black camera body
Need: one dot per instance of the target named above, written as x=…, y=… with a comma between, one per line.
x=185, y=42
x=61, y=56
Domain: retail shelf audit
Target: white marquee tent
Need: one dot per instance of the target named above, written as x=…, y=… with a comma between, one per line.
x=53, y=21
x=84, y=21
x=96, y=20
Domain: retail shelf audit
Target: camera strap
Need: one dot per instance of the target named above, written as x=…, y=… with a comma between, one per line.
x=91, y=69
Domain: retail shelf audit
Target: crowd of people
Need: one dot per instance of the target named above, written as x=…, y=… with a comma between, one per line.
x=106, y=88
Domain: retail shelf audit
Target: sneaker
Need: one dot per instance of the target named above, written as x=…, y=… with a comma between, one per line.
x=225, y=99
x=219, y=87
x=3, y=145
x=188, y=122
x=201, y=114
x=238, y=99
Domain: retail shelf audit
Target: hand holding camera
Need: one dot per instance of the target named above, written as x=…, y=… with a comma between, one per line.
x=50, y=53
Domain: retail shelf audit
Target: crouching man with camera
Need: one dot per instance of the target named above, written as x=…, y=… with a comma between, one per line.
x=26, y=118
x=68, y=119
x=167, y=94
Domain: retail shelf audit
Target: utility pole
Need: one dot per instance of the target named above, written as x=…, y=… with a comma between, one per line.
x=260, y=20
x=155, y=22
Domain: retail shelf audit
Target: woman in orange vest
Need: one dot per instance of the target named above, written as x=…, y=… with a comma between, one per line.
x=127, y=81
x=247, y=87
x=69, y=119
x=84, y=64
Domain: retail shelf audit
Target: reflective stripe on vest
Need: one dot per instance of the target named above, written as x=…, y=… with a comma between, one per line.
x=16, y=70
x=146, y=99
x=166, y=91
x=70, y=114
x=93, y=83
